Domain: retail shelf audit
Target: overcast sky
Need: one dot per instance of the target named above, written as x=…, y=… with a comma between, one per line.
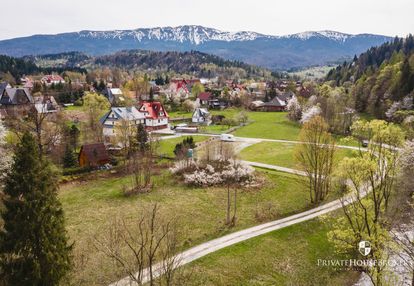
x=28, y=17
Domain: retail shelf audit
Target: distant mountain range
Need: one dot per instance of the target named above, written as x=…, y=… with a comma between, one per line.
x=275, y=52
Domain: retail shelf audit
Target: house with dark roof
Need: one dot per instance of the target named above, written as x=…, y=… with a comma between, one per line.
x=14, y=96
x=118, y=116
x=276, y=104
x=156, y=117
x=201, y=116
x=45, y=105
x=93, y=155
x=286, y=95
x=114, y=95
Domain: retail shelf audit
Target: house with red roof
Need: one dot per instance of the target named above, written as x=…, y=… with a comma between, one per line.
x=205, y=97
x=156, y=117
x=52, y=79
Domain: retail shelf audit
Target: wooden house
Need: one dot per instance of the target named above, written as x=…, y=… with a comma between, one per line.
x=93, y=155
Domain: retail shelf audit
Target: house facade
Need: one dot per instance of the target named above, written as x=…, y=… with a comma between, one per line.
x=204, y=98
x=117, y=117
x=93, y=155
x=201, y=116
x=156, y=117
x=276, y=104
x=52, y=79
x=114, y=95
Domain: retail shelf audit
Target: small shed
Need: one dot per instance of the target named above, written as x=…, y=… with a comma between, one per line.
x=93, y=155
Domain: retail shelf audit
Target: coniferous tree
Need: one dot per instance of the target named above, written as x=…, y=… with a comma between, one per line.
x=33, y=242
x=151, y=95
x=74, y=136
x=69, y=158
x=142, y=138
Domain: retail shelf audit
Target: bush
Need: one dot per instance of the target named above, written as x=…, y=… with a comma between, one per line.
x=76, y=171
x=78, y=102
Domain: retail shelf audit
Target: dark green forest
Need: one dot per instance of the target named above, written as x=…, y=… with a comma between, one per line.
x=382, y=77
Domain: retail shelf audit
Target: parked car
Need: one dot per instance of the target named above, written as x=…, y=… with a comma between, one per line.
x=365, y=143
x=227, y=138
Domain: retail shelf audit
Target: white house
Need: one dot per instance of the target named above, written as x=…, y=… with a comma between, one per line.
x=119, y=115
x=52, y=79
x=114, y=94
x=201, y=116
x=156, y=117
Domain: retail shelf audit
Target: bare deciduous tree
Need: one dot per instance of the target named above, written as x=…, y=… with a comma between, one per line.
x=136, y=247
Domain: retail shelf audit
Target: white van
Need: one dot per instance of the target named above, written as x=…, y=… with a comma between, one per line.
x=227, y=138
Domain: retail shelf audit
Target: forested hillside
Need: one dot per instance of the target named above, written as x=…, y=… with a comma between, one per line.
x=382, y=78
x=12, y=69
x=194, y=63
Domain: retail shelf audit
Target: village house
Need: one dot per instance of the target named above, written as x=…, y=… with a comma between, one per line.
x=114, y=95
x=256, y=105
x=156, y=117
x=118, y=116
x=285, y=96
x=52, y=79
x=12, y=96
x=45, y=105
x=93, y=155
x=201, y=116
x=178, y=89
x=276, y=104
x=204, y=97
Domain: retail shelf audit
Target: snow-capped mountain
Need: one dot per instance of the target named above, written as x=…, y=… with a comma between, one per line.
x=193, y=34
x=276, y=52
x=331, y=35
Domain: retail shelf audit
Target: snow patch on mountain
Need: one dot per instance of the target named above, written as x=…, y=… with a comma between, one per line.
x=197, y=35
x=331, y=35
x=193, y=34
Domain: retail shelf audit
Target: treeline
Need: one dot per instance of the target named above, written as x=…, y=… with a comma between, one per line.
x=202, y=64
x=61, y=60
x=12, y=69
x=380, y=77
x=193, y=63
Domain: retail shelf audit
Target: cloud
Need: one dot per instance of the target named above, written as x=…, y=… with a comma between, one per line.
x=264, y=16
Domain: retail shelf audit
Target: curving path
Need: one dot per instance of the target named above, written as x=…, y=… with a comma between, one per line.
x=239, y=236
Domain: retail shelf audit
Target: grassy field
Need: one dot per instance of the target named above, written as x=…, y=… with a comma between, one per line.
x=166, y=147
x=180, y=114
x=286, y=257
x=269, y=125
x=215, y=129
x=91, y=206
x=280, y=154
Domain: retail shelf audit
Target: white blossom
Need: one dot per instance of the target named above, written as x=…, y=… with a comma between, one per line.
x=309, y=113
x=294, y=109
x=407, y=158
x=5, y=157
x=229, y=171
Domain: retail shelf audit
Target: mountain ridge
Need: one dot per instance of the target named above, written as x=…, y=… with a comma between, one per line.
x=276, y=52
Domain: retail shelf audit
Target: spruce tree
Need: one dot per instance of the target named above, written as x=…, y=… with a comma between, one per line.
x=142, y=138
x=69, y=159
x=33, y=242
